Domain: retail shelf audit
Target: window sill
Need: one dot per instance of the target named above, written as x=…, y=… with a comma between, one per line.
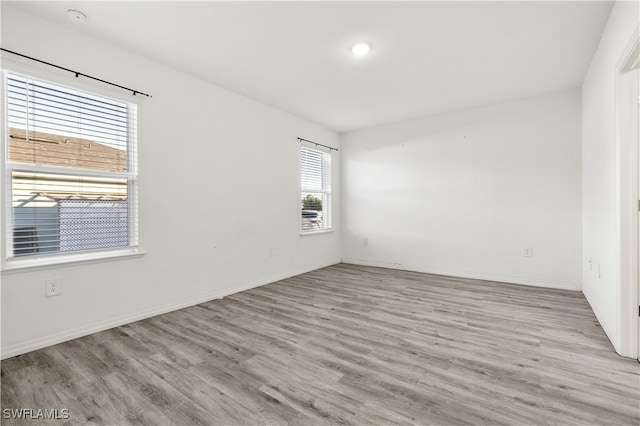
x=320, y=231
x=59, y=261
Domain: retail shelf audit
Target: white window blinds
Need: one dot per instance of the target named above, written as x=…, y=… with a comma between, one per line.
x=315, y=179
x=72, y=162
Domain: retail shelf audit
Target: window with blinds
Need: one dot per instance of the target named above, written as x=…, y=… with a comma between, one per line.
x=315, y=180
x=72, y=163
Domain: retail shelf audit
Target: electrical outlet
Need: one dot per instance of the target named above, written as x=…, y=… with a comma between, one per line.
x=528, y=252
x=272, y=252
x=53, y=287
x=365, y=241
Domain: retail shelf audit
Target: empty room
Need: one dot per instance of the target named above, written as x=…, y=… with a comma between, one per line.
x=304, y=213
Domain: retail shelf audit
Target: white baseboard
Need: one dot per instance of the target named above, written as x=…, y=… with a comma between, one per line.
x=39, y=343
x=609, y=331
x=485, y=277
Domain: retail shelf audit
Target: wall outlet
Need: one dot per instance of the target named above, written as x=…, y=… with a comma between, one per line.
x=365, y=241
x=272, y=252
x=53, y=287
x=528, y=252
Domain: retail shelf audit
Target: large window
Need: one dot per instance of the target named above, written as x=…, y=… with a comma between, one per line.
x=315, y=173
x=72, y=170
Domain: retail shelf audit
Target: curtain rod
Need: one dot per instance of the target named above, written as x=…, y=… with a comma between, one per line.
x=78, y=74
x=318, y=144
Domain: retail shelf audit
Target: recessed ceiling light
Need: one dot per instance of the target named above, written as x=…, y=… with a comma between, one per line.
x=76, y=16
x=361, y=49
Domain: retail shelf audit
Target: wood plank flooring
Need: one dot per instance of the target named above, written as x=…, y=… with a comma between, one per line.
x=343, y=345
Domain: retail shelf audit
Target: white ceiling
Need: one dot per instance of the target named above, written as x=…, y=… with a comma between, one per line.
x=427, y=57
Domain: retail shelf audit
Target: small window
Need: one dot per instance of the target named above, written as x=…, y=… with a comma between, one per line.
x=72, y=163
x=315, y=172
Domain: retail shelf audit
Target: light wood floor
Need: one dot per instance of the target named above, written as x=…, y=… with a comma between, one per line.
x=343, y=345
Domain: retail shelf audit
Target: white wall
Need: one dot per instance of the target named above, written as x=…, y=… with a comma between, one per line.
x=602, y=285
x=465, y=193
x=219, y=187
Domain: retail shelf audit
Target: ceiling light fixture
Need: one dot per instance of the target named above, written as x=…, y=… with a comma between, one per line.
x=76, y=16
x=361, y=49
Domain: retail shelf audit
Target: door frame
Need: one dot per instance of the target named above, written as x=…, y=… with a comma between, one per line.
x=627, y=196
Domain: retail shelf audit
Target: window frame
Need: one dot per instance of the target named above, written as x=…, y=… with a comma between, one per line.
x=326, y=190
x=8, y=262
